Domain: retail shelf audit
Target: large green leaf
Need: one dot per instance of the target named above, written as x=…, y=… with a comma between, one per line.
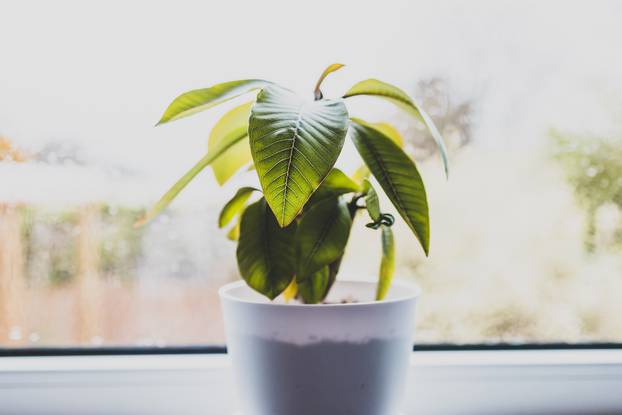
x=234, y=124
x=314, y=289
x=266, y=252
x=168, y=197
x=197, y=100
x=294, y=144
x=392, y=93
x=387, y=263
x=330, y=69
x=234, y=206
x=322, y=236
x=397, y=175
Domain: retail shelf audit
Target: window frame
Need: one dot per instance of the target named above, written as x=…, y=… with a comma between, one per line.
x=444, y=379
x=222, y=349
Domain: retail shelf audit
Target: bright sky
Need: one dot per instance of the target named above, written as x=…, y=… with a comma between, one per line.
x=101, y=73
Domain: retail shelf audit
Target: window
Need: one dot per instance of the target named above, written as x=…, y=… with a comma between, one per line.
x=526, y=234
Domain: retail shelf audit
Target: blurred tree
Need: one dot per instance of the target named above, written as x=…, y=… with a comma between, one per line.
x=593, y=167
x=51, y=254
x=453, y=119
x=120, y=243
x=62, y=152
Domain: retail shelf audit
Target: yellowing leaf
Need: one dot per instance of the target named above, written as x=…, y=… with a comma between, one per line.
x=291, y=291
x=234, y=233
x=389, y=131
x=330, y=69
x=233, y=124
x=361, y=174
x=387, y=263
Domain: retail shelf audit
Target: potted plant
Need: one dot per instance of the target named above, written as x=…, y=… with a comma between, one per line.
x=301, y=341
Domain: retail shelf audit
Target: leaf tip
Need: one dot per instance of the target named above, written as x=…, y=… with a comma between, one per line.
x=445, y=166
x=271, y=294
x=283, y=223
x=163, y=120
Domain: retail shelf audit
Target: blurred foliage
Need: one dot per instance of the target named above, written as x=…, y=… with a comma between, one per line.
x=27, y=217
x=121, y=243
x=8, y=152
x=57, y=233
x=51, y=238
x=593, y=167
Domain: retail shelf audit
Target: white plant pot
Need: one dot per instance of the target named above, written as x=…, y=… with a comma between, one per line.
x=328, y=359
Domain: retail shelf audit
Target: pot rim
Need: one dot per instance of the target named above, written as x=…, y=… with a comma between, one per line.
x=412, y=292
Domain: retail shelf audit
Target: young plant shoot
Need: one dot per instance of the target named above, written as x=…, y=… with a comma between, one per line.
x=292, y=237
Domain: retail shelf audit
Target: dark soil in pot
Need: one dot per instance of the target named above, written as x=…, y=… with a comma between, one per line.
x=323, y=378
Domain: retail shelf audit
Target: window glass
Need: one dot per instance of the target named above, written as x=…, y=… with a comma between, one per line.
x=526, y=241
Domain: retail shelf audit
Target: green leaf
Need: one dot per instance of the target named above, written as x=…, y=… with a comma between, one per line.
x=232, y=125
x=338, y=182
x=266, y=252
x=294, y=144
x=198, y=100
x=387, y=263
x=330, y=69
x=172, y=193
x=314, y=289
x=335, y=184
x=392, y=93
x=371, y=201
x=397, y=175
x=322, y=236
x=234, y=206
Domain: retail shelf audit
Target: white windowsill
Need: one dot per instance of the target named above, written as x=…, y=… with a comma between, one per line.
x=470, y=382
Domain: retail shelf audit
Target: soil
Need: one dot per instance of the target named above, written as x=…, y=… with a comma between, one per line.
x=347, y=300
x=324, y=378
